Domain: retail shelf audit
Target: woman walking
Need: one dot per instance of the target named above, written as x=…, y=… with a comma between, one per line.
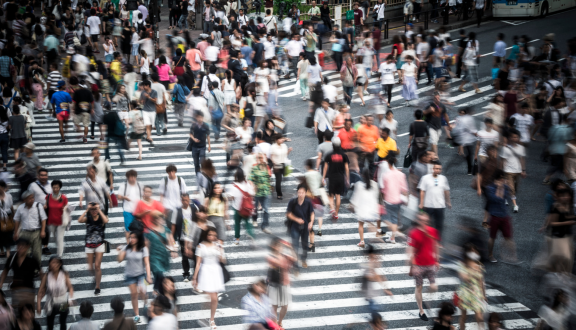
x=240, y=189
x=559, y=225
x=258, y=306
x=4, y=137
x=161, y=245
x=279, y=157
x=472, y=291
x=217, y=206
x=17, y=127
x=58, y=289
x=95, y=221
x=209, y=276
x=144, y=63
x=348, y=74
x=122, y=103
x=164, y=71
x=229, y=89
x=97, y=114
x=58, y=216
x=136, y=269
x=365, y=203
x=6, y=215
x=409, y=79
x=168, y=290
x=137, y=128
x=280, y=262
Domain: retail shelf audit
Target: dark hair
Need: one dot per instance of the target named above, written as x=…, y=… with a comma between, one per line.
x=302, y=186
x=446, y=309
x=117, y=305
x=141, y=243
x=3, y=295
x=3, y=184
x=28, y=307
x=213, y=194
x=513, y=131
x=86, y=309
x=309, y=163
x=418, y=114
x=163, y=293
x=328, y=135
x=367, y=178
x=131, y=173
x=251, y=286
x=208, y=167
x=146, y=83
x=171, y=168
x=239, y=176
x=56, y=183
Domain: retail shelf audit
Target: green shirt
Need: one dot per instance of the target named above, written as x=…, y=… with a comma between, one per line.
x=261, y=179
x=314, y=11
x=159, y=256
x=310, y=43
x=51, y=43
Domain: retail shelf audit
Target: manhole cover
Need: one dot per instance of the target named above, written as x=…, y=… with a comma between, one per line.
x=232, y=299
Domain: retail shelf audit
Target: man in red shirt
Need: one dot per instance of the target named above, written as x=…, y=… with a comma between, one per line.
x=358, y=19
x=367, y=135
x=147, y=208
x=347, y=136
x=423, y=258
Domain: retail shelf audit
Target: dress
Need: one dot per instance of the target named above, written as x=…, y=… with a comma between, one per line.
x=230, y=92
x=98, y=115
x=470, y=293
x=210, y=277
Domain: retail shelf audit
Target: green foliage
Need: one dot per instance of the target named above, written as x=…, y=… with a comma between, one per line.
x=289, y=4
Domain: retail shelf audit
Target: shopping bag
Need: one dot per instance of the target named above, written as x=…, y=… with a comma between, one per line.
x=297, y=87
x=408, y=158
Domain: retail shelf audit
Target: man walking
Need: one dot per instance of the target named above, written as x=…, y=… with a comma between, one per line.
x=148, y=99
x=42, y=188
x=199, y=136
x=171, y=189
x=336, y=168
x=30, y=224
x=301, y=215
x=435, y=196
x=182, y=224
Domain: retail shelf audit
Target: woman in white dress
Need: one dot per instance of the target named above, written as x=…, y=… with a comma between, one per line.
x=365, y=203
x=497, y=111
x=409, y=79
x=209, y=277
x=229, y=89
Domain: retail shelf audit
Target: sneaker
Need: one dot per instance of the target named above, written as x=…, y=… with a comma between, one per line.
x=46, y=251
x=506, y=202
x=546, y=182
x=186, y=278
x=469, y=173
x=84, y=140
x=391, y=241
x=513, y=263
x=366, y=93
x=379, y=234
x=255, y=223
x=515, y=208
x=492, y=259
x=62, y=141
x=267, y=231
x=423, y=316
x=97, y=292
x=304, y=264
x=136, y=319
x=237, y=241
x=478, y=91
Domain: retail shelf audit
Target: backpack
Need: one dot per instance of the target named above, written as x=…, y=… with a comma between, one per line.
x=138, y=124
x=210, y=186
x=247, y=204
x=179, y=183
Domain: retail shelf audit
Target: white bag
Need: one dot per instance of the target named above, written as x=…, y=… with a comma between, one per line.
x=65, y=217
x=297, y=87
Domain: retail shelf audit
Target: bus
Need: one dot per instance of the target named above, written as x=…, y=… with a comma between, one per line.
x=529, y=8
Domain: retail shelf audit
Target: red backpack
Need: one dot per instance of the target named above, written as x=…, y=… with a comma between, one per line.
x=247, y=205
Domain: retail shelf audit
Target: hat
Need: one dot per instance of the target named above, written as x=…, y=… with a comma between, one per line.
x=336, y=142
x=30, y=146
x=204, y=36
x=61, y=83
x=27, y=194
x=71, y=50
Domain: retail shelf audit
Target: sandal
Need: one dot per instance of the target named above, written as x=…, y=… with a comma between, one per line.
x=212, y=325
x=485, y=224
x=361, y=244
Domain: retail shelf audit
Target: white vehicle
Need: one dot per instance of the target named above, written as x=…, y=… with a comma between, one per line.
x=529, y=8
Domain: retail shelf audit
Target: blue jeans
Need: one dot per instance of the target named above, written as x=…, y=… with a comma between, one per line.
x=372, y=306
x=216, y=127
x=264, y=201
x=299, y=232
x=348, y=91
x=159, y=122
x=120, y=143
x=182, y=21
x=198, y=155
x=4, y=140
x=208, y=26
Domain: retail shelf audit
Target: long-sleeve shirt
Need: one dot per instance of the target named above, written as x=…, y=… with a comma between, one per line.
x=497, y=205
x=258, y=310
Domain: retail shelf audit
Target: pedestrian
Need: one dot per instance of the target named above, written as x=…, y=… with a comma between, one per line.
x=24, y=268
x=514, y=163
x=470, y=64
x=472, y=291
x=258, y=306
x=239, y=191
x=279, y=156
x=209, y=257
x=25, y=319
x=349, y=75
x=57, y=288
x=373, y=279
x=423, y=258
x=435, y=113
x=480, y=7
x=465, y=134
x=97, y=113
x=61, y=101
x=217, y=205
x=161, y=318
x=435, y=196
x=6, y=217
x=260, y=177
x=559, y=225
x=86, y=310
x=130, y=193
x=161, y=245
x=148, y=99
x=147, y=208
x=199, y=136
x=30, y=224
x=137, y=127
x=17, y=127
x=324, y=120
x=136, y=269
x=368, y=136
x=444, y=319
x=498, y=193
x=409, y=79
x=95, y=221
x=280, y=261
x=94, y=189
x=558, y=136
x=487, y=166
x=56, y=206
x=393, y=186
x=171, y=188
x=300, y=214
x=83, y=104
x=336, y=169
x=116, y=132
x=216, y=108
x=365, y=203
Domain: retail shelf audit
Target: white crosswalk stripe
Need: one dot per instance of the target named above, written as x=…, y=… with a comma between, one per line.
x=324, y=295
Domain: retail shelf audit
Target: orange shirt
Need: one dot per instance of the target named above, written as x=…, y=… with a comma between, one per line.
x=367, y=136
x=147, y=218
x=347, y=138
x=191, y=57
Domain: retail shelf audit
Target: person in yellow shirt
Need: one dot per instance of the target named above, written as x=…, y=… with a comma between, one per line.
x=116, y=66
x=385, y=144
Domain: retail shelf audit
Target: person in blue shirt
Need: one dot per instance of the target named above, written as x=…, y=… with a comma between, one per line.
x=180, y=92
x=61, y=101
x=498, y=193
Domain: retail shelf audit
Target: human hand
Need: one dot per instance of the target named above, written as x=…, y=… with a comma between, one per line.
x=42, y=234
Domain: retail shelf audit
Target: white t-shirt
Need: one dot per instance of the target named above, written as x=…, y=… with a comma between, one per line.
x=245, y=135
x=387, y=70
x=523, y=124
x=269, y=22
x=161, y=90
x=314, y=73
x=211, y=53
x=434, y=188
x=392, y=126
x=408, y=69
x=94, y=23
x=422, y=50
x=269, y=49
x=236, y=194
x=512, y=156
x=133, y=192
x=294, y=48
x=172, y=193
x=102, y=167
x=486, y=139
x=166, y=321
x=330, y=92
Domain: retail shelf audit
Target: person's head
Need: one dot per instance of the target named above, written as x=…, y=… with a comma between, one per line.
x=136, y=242
x=168, y=286
x=26, y=312
x=211, y=234
x=385, y=133
x=22, y=245
x=171, y=171
x=43, y=175
x=239, y=176
x=471, y=254
x=309, y=164
x=445, y=312
x=422, y=219
x=199, y=116
x=301, y=192
x=564, y=196
x=207, y=167
x=55, y=264
x=513, y=136
x=348, y=123
x=56, y=186
x=369, y=120
x=325, y=104
x=436, y=170
x=258, y=288
x=494, y=321
x=418, y=114
x=117, y=305
x=147, y=86
x=28, y=198
x=492, y=152
x=131, y=176
x=147, y=192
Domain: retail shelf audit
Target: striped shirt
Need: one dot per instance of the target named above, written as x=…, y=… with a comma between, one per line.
x=53, y=78
x=5, y=63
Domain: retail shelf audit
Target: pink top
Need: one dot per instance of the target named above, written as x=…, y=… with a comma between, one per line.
x=394, y=185
x=164, y=72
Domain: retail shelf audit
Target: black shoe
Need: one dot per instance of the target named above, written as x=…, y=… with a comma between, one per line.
x=62, y=141
x=319, y=233
x=165, y=131
x=46, y=251
x=423, y=317
x=180, y=124
x=312, y=248
x=97, y=292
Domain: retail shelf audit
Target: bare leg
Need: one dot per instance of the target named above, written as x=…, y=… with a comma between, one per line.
x=213, y=304
x=337, y=209
x=98, y=269
x=462, y=319
x=361, y=230
x=320, y=220
x=134, y=297
x=283, y=311
x=490, y=248
x=360, y=93
x=479, y=320
x=61, y=128
x=139, y=148
x=418, y=294
x=16, y=154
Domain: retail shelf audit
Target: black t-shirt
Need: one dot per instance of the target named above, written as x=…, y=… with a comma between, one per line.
x=303, y=211
x=11, y=10
x=418, y=129
x=504, y=82
x=236, y=68
x=179, y=60
x=258, y=50
x=200, y=133
x=462, y=46
x=336, y=165
x=561, y=231
x=24, y=273
x=434, y=119
x=95, y=231
x=83, y=99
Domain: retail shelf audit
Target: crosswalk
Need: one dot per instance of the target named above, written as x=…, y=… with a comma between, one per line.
x=326, y=295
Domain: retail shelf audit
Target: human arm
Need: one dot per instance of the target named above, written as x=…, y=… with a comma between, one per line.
x=422, y=195
x=209, y=145
x=148, y=272
x=41, y=292
x=447, y=198
x=70, y=287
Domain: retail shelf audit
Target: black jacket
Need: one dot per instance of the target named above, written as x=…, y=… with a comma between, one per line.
x=179, y=218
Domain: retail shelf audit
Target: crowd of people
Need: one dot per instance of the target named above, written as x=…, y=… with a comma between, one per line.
x=226, y=85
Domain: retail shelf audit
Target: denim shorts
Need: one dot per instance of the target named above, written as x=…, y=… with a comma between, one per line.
x=138, y=280
x=109, y=58
x=392, y=212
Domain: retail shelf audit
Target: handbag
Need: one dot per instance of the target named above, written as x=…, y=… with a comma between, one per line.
x=455, y=299
x=106, y=246
x=161, y=108
x=272, y=325
x=315, y=18
x=408, y=158
x=114, y=199
x=309, y=122
x=6, y=224
x=225, y=273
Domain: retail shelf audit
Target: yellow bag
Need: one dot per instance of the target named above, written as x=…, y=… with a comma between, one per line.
x=66, y=68
x=241, y=114
x=181, y=46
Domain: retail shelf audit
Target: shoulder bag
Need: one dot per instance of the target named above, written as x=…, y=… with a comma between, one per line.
x=161, y=108
x=7, y=222
x=348, y=81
